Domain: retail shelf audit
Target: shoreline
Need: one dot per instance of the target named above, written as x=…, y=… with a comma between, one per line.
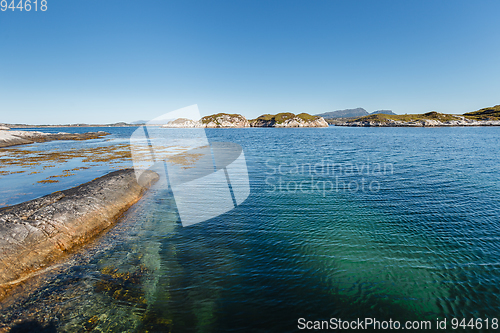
x=9, y=138
x=35, y=234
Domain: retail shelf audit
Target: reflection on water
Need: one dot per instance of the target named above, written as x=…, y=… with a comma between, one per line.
x=424, y=245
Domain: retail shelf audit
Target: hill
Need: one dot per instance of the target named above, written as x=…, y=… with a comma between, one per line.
x=490, y=113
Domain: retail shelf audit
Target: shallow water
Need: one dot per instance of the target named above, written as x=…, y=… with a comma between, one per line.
x=398, y=223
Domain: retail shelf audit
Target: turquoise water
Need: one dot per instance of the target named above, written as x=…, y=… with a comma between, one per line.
x=403, y=225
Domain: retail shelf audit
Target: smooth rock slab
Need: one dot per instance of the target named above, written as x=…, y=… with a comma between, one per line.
x=36, y=233
x=14, y=138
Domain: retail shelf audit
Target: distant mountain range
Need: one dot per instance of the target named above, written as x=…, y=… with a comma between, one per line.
x=351, y=113
x=383, y=112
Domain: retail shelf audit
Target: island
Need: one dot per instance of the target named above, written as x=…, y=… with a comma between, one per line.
x=219, y=120
x=489, y=116
x=224, y=120
x=288, y=119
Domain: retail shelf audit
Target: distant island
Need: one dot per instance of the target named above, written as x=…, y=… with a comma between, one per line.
x=119, y=124
x=383, y=112
x=484, y=117
x=224, y=120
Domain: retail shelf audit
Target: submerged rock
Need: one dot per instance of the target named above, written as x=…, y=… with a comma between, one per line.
x=35, y=233
x=14, y=138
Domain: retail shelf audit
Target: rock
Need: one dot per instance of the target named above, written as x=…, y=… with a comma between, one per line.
x=288, y=120
x=14, y=138
x=4, y=128
x=36, y=233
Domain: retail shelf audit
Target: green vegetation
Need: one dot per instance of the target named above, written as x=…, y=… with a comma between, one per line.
x=492, y=113
x=282, y=117
x=214, y=117
x=122, y=286
x=307, y=117
x=386, y=118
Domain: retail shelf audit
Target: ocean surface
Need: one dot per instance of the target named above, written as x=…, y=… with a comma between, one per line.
x=387, y=223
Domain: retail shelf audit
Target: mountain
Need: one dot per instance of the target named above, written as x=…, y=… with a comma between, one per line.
x=383, y=112
x=347, y=113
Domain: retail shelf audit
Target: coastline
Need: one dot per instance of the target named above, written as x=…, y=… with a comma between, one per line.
x=37, y=233
x=429, y=119
x=420, y=124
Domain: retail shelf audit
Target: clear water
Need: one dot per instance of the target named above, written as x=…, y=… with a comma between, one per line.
x=423, y=242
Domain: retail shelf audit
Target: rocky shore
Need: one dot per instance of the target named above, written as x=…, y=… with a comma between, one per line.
x=13, y=138
x=224, y=120
x=36, y=233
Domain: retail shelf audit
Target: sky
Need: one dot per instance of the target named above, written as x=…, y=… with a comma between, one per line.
x=94, y=61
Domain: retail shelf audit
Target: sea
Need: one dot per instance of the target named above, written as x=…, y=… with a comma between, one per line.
x=397, y=225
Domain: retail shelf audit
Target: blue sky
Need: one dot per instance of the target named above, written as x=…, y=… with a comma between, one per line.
x=107, y=61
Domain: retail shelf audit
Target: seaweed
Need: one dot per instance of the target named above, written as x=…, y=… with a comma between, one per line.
x=122, y=286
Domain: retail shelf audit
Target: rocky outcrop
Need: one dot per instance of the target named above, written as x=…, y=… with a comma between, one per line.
x=4, y=128
x=288, y=120
x=14, y=138
x=36, y=233
x=224, y=120
x=220, y=120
